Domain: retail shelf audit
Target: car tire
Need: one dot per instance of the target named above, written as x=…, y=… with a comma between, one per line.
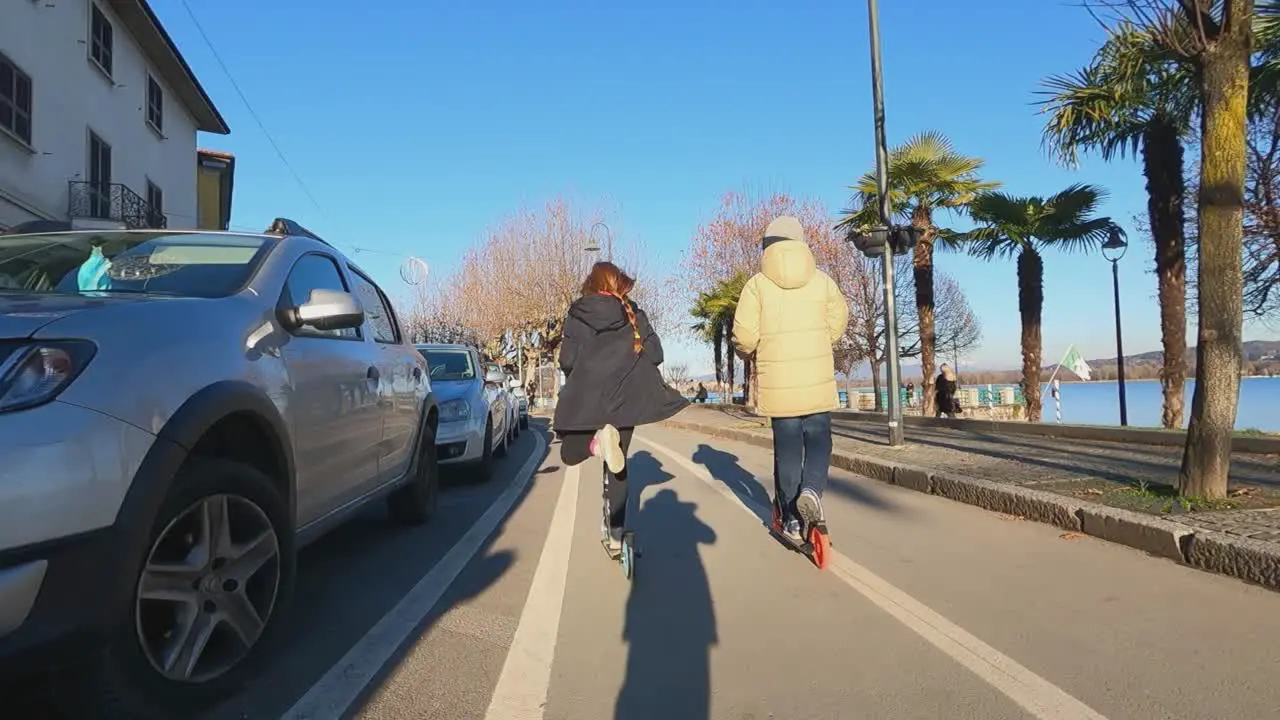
x=416, y=502
x=121, y=681
x=501, y=450
x=484, y=468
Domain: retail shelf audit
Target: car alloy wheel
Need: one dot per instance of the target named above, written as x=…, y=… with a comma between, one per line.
x=208, y=588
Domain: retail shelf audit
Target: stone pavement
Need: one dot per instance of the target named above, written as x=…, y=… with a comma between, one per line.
x=1056, y=480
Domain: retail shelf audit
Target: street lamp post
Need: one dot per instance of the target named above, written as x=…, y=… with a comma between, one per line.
x=593, y=246
x=1114, y=249
x=882, y=188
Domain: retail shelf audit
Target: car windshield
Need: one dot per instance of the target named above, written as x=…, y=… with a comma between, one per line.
x=450, y=364
x=91, y=262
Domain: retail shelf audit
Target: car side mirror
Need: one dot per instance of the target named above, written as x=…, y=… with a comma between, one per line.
x=495, y=376
x=329, y=310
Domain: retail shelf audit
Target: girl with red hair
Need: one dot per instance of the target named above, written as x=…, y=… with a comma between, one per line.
x=610, y=356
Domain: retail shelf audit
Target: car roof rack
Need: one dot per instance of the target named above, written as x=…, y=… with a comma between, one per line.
x=285, y=226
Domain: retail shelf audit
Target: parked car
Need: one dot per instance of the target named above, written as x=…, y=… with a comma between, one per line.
x=473, y=411
x=179, y=413
x=522, y=403
x=513, y=404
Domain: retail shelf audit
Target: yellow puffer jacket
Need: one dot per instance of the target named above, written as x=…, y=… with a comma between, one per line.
x=789, y=315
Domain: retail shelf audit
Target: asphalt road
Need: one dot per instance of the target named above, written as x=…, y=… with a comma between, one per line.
x=931, y=609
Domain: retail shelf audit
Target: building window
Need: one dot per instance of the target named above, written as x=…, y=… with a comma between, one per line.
x=15, y=100
x=155, y=205
x=99, y=177
x=155, y=104
x=101, y=40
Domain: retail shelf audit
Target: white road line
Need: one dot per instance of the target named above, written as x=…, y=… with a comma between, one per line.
x=332, y=696
x=1038, y=696
x=521, y=692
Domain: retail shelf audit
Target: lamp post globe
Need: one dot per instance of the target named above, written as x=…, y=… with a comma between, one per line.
x=1115, y=246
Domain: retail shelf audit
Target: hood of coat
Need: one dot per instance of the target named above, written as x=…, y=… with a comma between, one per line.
x=601, y=313
x=788, y=263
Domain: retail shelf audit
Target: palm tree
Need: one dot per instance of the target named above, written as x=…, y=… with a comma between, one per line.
x=1136, y=98
x=926, y=173
x=1011, y=226
x=714, y=311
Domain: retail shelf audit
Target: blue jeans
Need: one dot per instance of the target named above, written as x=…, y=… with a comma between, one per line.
x=801, y=458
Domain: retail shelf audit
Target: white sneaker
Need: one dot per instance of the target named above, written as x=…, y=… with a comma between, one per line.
x=809, y=507
x=609, y=446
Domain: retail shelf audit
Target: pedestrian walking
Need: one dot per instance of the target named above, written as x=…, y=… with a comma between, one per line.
x=789, y=316
x=911, y=394
x=944, y=392
x=610, y=355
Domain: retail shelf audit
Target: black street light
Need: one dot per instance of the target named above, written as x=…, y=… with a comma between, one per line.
x=878, y=240
x=593, y=246
x=1114, y=249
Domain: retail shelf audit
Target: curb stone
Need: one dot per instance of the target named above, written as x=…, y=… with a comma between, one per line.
x=1153, y=535
x=1249, y=560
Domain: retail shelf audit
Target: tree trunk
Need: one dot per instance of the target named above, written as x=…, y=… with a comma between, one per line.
x=922, y=266
x=1166, y=186
x=1224, y=86
x=875, y=385
x=730, y=364
x=1030, y=306
x=717, y=344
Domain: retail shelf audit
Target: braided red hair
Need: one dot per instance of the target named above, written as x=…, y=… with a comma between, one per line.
x=606, y=278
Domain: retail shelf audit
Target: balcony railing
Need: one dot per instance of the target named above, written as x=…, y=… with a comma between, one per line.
x=112, y=201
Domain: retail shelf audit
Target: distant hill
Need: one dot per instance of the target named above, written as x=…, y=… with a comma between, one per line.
x=1257, y=351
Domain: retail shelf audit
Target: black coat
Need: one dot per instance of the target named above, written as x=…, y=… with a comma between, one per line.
x=606, y=381
x=944, y=392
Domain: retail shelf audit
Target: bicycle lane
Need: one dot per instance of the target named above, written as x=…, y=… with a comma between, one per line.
x=720, y=622
x=1126, y=634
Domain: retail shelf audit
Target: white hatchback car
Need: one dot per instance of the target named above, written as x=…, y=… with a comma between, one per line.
x=179, y=413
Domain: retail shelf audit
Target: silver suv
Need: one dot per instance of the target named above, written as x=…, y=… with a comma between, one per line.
x=179, y=413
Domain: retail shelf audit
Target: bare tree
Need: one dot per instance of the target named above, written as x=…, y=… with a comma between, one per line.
x=677, y=374
x=958, y=329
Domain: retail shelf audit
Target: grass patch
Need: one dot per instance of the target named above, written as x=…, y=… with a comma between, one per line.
x=1160, y=499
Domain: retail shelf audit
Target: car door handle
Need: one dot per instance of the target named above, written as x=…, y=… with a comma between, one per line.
x=373, y=373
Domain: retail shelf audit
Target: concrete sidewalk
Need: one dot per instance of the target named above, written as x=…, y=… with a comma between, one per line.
x=1086, y=486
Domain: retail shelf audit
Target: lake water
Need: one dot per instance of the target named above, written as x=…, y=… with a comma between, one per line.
x=1098, y=403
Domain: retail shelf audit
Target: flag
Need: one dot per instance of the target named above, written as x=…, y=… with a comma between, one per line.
x=1076, y=364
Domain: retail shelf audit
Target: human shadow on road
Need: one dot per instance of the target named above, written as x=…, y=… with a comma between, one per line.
x=727, y=468
x=670, y=622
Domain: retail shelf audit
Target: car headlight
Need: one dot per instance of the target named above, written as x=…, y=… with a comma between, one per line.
x=34, y=373
x=454, y=410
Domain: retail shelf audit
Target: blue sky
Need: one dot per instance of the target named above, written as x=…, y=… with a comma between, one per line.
x=417, y=124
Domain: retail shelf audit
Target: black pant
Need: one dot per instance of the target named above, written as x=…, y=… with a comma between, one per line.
x=575, y=448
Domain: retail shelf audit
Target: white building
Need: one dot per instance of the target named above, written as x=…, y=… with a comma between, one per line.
x=98, y=116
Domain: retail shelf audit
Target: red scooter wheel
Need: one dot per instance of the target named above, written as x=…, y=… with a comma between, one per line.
x=821, y=545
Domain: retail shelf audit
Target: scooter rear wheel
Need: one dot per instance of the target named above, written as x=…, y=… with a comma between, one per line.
x=821, y=545
x=628, y=555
